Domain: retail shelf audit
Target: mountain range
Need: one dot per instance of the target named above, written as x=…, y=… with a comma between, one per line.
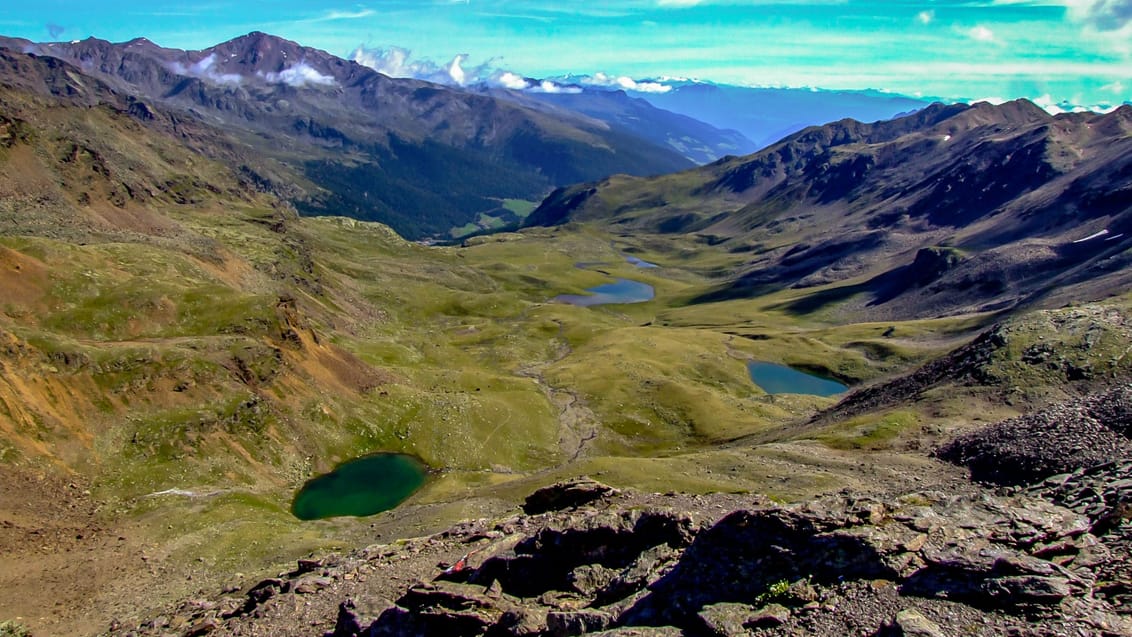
x=762, y=114
x=353, y=141
x=767, y=114
x=340, y=138
x=696, y=140
x=950, y=210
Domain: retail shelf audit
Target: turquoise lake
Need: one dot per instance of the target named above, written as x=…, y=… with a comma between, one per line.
x=361, y=487
x=780, y=379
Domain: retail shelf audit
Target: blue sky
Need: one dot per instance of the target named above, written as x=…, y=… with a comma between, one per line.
x=1074, y=50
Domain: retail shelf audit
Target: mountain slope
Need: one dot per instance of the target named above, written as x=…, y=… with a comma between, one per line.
x=952, y=209
x=364, y=143
x=699, y=142
x=179, y=351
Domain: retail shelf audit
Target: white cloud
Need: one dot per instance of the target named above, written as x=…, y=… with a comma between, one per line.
x=1114, y=87
x=1047, y=103
x=456, y=70
x=398, y=62
x=925, y=17
x=348, y=15
x=516, y=82
x=625, y=83
x=202, y=69
x=546, y=86
x=509, y=80
x=1054, y=107
x=300, y=75
x=981, y=34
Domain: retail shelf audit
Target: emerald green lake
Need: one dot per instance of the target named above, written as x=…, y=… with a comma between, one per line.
x=780, y=379
x=360, y=487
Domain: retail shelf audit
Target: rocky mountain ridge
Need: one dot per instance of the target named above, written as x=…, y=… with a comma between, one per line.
x=363, y=142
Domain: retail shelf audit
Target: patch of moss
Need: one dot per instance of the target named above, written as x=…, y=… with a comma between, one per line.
x=871, y=432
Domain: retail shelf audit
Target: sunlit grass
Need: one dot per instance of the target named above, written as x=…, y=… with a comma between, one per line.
x=222, y=367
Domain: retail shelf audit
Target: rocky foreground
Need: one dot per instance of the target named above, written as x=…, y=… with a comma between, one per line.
x=583, y=558
x=1041, y=545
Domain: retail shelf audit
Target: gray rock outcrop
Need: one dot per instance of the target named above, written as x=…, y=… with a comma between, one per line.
x=933, y=562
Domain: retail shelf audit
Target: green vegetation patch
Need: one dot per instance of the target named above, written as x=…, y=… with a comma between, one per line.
x=11, y=628
x=220, y=445
x=869, y=432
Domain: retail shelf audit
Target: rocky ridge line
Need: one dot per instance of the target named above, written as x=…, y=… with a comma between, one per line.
x=958, y=560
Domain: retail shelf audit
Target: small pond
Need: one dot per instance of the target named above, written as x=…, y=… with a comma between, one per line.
x=620, y=291
x=640, y=263
x=780, y=379
x=360, y=487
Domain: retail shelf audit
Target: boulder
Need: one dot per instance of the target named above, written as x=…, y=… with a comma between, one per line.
x=580, y=622
x=912, y=623
x=726, y=619
x=566, y=495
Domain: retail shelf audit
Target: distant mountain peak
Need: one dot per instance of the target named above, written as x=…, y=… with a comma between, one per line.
x=257, y=40
x=261, y=52
x=1015, y=111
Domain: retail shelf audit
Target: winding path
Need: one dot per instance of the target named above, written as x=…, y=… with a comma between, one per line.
x=578, y=425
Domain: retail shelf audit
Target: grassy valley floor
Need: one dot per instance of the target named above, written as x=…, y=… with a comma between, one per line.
x=163, y=400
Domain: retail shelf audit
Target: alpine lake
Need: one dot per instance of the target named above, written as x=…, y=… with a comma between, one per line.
x=780, y=379
x=360, y=487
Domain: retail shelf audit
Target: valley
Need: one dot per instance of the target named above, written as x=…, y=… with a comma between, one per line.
x=201, y=419
x=182, y=350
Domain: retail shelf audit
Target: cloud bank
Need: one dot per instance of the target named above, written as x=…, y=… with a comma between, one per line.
x=399, y=62
x=299, y=76
x=623, y=82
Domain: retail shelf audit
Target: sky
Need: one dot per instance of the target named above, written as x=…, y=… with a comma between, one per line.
x=1073, y=51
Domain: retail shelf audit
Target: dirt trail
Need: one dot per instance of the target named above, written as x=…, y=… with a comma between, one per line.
x=578, y=425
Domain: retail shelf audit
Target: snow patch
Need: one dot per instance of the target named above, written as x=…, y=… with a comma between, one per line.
x=1095, y=235
x=184, y=493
